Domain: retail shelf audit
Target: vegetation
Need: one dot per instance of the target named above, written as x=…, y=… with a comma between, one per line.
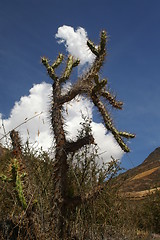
x=68, y=196
x=103, y=214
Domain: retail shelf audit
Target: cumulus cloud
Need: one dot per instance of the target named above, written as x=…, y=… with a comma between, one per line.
x=76, y=43
x=37, y=102
x=39, y=130
x=27, y=107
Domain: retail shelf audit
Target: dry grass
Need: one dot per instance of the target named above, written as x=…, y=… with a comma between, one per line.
x=144, y=174
x=109, y=214
x=140, y=194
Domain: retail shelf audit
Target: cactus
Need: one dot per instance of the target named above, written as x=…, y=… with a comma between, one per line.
x=16, y=174
x=94, y=88
x=16, y=179
x=17, y=182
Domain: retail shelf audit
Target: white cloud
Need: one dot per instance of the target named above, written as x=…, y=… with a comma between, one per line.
x=38, y=101
x=39, y=129
x=76, y=43
x=27, y=107
x=106, y=142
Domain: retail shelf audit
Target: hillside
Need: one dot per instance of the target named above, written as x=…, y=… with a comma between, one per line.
x=144, y=178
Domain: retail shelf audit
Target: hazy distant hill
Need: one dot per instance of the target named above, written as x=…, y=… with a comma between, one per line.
x=143, y=178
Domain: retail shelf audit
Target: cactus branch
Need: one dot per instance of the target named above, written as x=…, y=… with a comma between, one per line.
x=108, y=123
x=49, y=68
x=58, y=61
x=101, y=84
x=70, y=65
x=103, y=42
x=97, y=51
x=72, y=147
x=112, y=100
x=93, y=48
x=76, y=89
x=126, y=135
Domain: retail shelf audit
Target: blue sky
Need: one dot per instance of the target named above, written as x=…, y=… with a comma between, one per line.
x=27, y=32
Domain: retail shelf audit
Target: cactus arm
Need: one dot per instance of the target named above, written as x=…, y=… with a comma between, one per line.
x=93, y=48
x=103, y=41
x=112, y=99
x=50, y=69
x=58, y=61
x=97, y=51
x=69, y=66
x=126, y=135
x=77, y=89
x=108, y=123
x=99, y=88
x=72, y=147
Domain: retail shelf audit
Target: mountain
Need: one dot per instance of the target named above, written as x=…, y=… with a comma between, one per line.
x=143, y=179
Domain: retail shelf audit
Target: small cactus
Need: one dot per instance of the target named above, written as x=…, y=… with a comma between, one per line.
x=16, y=179
x=17, y=183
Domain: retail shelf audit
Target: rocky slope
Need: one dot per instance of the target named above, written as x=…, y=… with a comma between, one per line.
x=143, y=179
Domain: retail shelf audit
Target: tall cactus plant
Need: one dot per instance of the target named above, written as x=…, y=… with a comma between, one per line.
x=94, y=88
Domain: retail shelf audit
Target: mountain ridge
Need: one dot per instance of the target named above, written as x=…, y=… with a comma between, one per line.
x=144, y=178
